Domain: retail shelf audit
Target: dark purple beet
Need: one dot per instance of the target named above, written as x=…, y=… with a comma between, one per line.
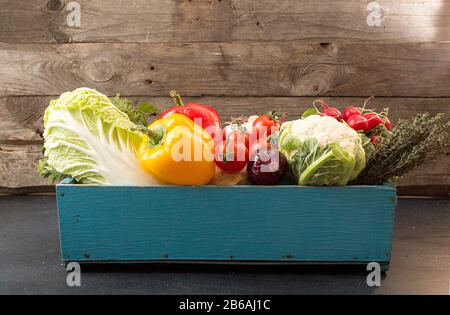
x=267, y=167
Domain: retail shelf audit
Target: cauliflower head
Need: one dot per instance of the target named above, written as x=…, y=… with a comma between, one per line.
x=322, y=151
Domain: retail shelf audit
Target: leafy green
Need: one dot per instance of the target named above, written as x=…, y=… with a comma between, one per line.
x=379, y=130
x=47, y=171
x=92, y=141
x=136, y=115
x=310, y=111
x=147, y=108
x=368, y=146
x=316, y=165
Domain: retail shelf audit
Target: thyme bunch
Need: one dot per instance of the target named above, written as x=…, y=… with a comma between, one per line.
x=408, y=147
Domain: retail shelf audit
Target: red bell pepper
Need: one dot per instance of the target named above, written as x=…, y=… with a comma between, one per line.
x=208, y=116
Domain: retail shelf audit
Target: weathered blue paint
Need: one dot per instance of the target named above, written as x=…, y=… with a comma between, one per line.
x=237, y=223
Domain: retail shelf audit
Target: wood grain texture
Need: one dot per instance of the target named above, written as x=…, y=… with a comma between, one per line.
x=228, y=69
x=18, y=165
x=226, y=223
x=44, y=21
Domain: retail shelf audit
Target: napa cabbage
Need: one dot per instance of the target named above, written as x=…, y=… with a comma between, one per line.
x=90, y=140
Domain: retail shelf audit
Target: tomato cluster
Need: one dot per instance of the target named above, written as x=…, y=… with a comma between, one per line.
x=242, y=141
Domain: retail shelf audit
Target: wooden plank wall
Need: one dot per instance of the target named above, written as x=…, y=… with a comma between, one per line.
x=242, y=56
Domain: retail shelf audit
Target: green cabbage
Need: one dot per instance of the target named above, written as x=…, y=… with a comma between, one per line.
x=89, y=139
x=320, y=151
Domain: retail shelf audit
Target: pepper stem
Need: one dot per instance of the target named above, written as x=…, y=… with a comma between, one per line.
x=156, y=135
x=149, y=132
x=176, y=98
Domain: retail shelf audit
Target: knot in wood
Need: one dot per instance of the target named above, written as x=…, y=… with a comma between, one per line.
x=99, y=69
x=55, y=5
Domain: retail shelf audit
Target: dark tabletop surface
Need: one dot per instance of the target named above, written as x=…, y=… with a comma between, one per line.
x=30, y=264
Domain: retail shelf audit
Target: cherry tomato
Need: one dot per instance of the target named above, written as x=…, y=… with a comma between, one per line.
x=358, y=122
x=231, y=155
x=387, y=123
x=350, y=110
x=373, y=119
x=239, y=136
x=265, y=125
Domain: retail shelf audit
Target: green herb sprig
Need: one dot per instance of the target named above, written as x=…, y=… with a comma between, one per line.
x=408, y=147
x=136, y=114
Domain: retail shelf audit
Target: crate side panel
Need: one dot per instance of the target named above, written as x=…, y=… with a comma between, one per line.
x=239, y=223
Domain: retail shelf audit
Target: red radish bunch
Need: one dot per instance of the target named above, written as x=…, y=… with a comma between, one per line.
x=360, y=119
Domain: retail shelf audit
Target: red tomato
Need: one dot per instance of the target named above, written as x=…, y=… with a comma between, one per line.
x=265, y=125
x=350, y=110
x=231, y=155
x=239, y=136
x=358, y=122
x=373, y=119
x=387, y=123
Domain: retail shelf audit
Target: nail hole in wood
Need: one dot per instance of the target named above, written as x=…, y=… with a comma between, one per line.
x=149, y=81
x=327, y=46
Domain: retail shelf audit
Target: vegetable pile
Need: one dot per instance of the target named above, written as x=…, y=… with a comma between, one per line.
x=96, y=140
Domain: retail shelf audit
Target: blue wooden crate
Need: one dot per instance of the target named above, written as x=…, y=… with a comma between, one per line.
x=350, y=224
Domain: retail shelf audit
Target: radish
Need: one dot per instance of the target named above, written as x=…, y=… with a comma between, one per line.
x=376, y=140
x=387, y=123
x=332, y=112
x=373, y=120
x=350, y=110
x=328, y=110
x=358, y=122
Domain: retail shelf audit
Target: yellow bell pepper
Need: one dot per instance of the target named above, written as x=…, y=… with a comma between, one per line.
x=178, y=152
